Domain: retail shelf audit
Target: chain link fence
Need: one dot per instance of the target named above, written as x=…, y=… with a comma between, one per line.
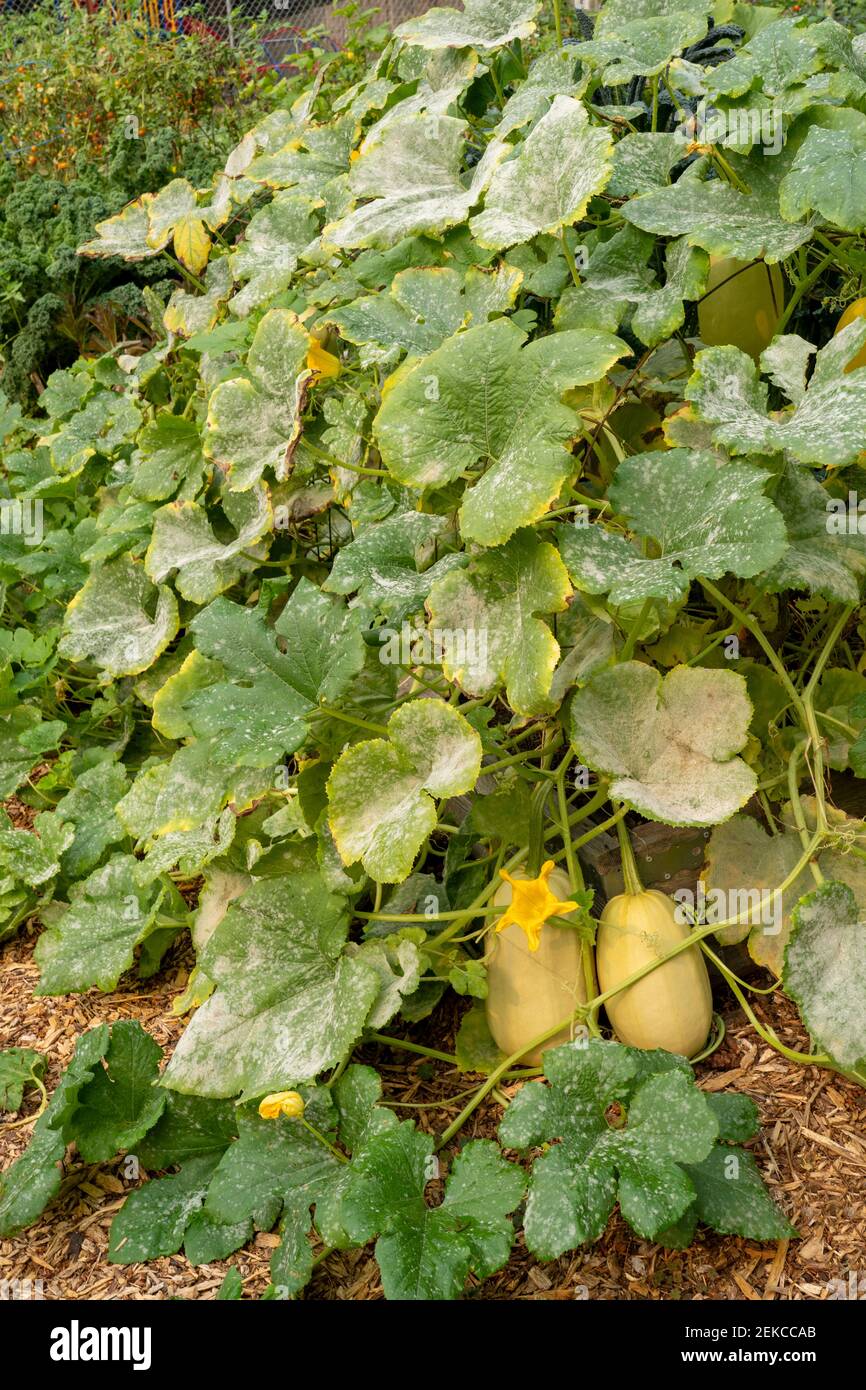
x=281, y=27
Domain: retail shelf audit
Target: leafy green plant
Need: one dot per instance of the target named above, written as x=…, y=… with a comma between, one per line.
x=428, y=541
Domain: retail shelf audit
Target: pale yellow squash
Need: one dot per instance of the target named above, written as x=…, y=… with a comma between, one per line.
x=672, y=1007
x=531, y=991
x=855, y=311
x=742, y=304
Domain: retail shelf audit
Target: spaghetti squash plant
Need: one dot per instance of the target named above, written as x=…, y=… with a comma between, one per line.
x=429, y=540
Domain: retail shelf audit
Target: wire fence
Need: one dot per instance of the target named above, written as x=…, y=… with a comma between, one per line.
x=283, y=26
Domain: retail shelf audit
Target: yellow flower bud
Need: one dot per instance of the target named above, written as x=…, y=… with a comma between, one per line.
x=282, y=1103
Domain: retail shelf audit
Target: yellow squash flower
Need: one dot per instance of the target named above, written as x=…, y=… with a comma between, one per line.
x=321, y=362
x=532, y=903
x=282, y=1103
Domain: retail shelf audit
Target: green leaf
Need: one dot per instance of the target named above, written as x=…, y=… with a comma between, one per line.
x=642, y=47
x=574, y=1186
x=184, y=541
x=253, y=421
x=24, y=737
x=100, y=427
x=426, y=1253
x=28, y=1185
x=484, y=396
x=288, y=1003
x=170, y=459
x=260, y=709
x=381, y=792
x=482, y=24
x=732, y=1198
x=825, y=973
x=827, y=176
x=19, y=1069
x=124, y=234
x=33, y=858
x=548, y=183
x=474, y=1047
x=827, y=426
x=267, y=258
x=122, y=1102
x=484, y=619
x=719, y=218
x=705, y=520
x=94, y=940
x=410, y=171
x=154, y=1219
x=89, y=810
x=119, y=620
x=188, y=314
x=186, y=791
x=667, y=744
x=382, y=563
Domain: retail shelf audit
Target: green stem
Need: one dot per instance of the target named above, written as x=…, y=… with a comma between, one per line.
x=379, y=729
x=753, y=626
x=557, y=19
x=569, y=258
x=431, y=1052
x=631, y=877
x=801, y=288
x=634, y=631
x=322, y=1140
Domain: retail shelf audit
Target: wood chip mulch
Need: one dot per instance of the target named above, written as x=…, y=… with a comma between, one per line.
x=811, y=1150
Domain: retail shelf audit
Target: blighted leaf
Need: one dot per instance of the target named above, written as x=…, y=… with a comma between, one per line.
x=185, y=791
x=398, y=964
x=828, y=176
x=485, y=397
x=259, y=709
x=33, y=1179
x=411, y=174
x=165, y=1213
x=187, y=313
x=288, y=1003
x=94, y=940
x=667, y=744
x=381, y=792
x=268, y=255
x=33, y=856
x=642, y=161
x=105, y=422
x=119, y=620
x=486, y=620
x=184, y=541
x=24, y=737
x=125, y=234
x=382, y=563
x=786, y=363
x=548, y=183
x=174, y=214
x=641, y=46
x=549, y=75
x=719, y=218
x=253, y=421
x=731, y=1196
x=481, y=24
x=122, y=1101
x=705, y=519
x=427, y=1252
x=424, y=307
x=825, y=973
x=822, y=556
x=827, y=425
x=19, y=1069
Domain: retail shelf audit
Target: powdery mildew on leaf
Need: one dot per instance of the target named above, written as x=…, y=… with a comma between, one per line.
x=825, y=972
x=667, y=744
x=482, y=24
x=183, y=540
x=549, y=182
x=288, y=1001
x=487, y=615
x=107, y=621
x=380, y=793
x=484, y=396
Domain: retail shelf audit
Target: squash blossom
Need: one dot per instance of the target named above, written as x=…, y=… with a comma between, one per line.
x=321, y=362
x=282, y=1103
x=531, y=904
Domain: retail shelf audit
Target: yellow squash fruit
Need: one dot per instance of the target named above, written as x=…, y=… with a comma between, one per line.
x=855, y=311
x=672, y=1007
x=531, y=990
x=742, y=304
